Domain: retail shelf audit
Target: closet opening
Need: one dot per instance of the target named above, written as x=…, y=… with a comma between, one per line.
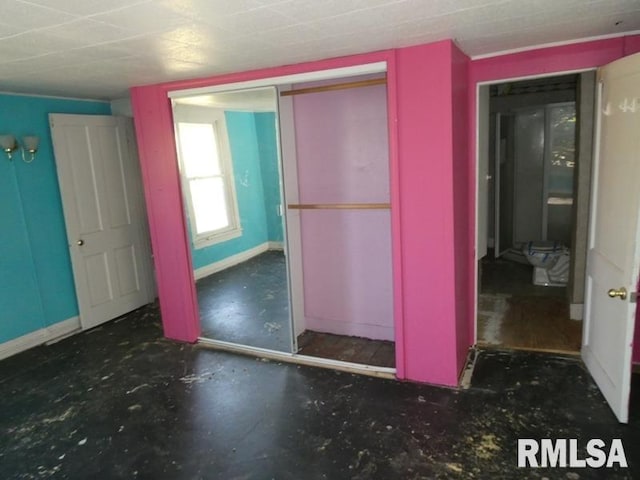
x=534, y=158
x=340, y=208
x=289, y=215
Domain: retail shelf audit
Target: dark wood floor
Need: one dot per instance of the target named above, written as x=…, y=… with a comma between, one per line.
x=531, y=323
x=380, y=353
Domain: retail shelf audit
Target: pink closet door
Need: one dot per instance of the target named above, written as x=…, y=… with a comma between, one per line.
x=342, y=157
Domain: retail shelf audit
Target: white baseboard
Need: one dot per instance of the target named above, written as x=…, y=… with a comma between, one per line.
x=576, y=311
x=276, y=245
x=61, y=330
x=48, y=335
x=230, y=261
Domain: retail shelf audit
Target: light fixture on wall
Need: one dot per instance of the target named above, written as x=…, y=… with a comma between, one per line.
x=30, y=143
x=8, y=144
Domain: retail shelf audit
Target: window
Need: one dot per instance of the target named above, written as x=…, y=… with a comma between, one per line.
x=207, y=180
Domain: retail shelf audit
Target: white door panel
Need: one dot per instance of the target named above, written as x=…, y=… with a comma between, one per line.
x=104, y=214
x=613, y=249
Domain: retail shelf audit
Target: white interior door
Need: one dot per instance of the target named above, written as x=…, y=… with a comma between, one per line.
x=104, y=214
x=613, y=259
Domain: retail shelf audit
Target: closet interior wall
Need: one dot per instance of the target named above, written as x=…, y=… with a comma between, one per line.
x=342, y=152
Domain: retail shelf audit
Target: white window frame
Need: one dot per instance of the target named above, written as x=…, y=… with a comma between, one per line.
x=215, y=117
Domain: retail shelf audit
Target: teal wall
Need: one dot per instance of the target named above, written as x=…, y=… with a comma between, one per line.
x=36, y=281
x=254, y=155
x=268, y=150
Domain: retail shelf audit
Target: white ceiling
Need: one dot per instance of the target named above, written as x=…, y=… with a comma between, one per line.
x=99, y=48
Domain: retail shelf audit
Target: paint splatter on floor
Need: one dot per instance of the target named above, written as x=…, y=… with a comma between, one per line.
x=179, y=411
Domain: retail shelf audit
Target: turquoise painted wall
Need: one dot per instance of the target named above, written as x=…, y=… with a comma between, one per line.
x=268, y=150
x=253, y=151
x=36, y=281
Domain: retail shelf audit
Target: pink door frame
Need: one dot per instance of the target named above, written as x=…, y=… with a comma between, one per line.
x=180, y=317
x=540, y=62
x=430, y=329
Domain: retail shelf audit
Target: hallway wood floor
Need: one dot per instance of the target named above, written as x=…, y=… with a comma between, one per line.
x=514, y=313
x=530, y=323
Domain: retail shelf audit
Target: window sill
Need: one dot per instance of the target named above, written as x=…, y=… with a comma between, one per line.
x=217, y=238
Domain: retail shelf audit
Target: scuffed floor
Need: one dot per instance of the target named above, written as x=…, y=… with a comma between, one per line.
x=122, y=402
x=380, y=353
x=527, y=322
x=515, y=313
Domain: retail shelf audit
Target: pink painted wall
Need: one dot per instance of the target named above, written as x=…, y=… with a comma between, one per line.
x=342, y=145
x=170, y=244
x=421, y=148
x=343, y=157
x=425, y=143
x=461, y=173
x=579, y=56
x=348, y=287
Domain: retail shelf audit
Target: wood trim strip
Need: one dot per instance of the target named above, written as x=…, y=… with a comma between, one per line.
x=296, y=358
x=339, y=206
x=335, y=86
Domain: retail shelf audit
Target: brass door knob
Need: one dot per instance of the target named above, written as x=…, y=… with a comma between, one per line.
x=80, y=242
x=621, y=293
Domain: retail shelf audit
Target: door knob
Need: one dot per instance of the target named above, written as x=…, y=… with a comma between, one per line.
x=80, y=242
x=621, y=293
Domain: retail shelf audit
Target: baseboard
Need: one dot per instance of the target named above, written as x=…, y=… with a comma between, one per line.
x=230, y=261
x=576, y=311
x=61, y=330
x=49, y=334
x=276, y=245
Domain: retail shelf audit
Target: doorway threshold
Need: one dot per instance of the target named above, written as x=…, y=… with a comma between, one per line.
x=341, y=366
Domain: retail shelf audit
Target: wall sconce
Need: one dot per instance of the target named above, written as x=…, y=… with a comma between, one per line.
x=8, y=144
x=30, y=144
